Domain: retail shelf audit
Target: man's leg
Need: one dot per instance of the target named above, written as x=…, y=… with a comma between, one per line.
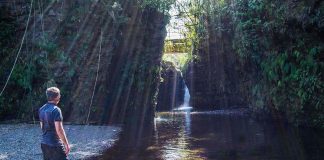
x=59, y=153
x=53, y=153
x=46, y=151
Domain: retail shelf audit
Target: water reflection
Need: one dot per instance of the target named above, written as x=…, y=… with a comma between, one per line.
x=175, y=135
x=187, y=123
x=185, y=136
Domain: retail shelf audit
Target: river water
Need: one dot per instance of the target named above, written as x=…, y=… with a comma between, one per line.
x=227, y=135
x=224, y=135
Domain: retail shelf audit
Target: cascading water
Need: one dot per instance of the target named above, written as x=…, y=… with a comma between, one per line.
x=186, y=96
x=185, y=106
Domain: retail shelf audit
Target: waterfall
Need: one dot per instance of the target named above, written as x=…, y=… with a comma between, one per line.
x=185, y=106
x=186, y=97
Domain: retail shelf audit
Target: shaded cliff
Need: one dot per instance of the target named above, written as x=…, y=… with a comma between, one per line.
x=104, y=56
x=214, y=78
x=171, y=89
x=267, y=53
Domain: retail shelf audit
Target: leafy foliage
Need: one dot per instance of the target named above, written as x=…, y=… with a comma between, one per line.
x=161, y=5
x=180, y=60
x=281, y=46
x=279, y=43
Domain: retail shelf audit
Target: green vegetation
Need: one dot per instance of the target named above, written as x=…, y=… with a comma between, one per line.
x=46, y=60
x=8, y=29
x=180, y=60
x=176, y=46
x=280, y=44
x=161, y=5
x=178, y=52
x=35, y=68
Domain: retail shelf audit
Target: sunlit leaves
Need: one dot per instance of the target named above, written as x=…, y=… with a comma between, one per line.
x=162, y=5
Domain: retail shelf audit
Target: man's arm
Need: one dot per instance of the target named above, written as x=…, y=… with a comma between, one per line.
x=41, y=124
x=61, y=133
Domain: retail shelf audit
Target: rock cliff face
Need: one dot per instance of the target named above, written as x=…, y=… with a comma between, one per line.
x=263, y=52
x=104, y=56
x=214, y=78
x=131, y=49
x=171, y=90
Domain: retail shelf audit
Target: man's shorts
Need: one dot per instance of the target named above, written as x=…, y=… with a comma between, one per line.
x=53, y=152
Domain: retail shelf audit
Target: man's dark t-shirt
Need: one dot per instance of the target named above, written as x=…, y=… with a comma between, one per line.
x=48, y=114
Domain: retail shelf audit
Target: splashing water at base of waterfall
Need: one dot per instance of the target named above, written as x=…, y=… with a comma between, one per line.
x=185, y=107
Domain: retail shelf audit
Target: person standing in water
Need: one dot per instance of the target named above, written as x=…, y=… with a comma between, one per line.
x=54, y=144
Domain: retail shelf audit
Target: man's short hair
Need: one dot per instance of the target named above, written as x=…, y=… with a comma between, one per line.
x=52, y=93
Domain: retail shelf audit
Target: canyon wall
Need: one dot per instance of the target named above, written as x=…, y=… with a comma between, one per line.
x=105, y=57
x=267, y=55
x=171, y=90
x=214, y=78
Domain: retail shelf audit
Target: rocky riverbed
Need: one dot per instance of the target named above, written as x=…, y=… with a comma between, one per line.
x=22, y=141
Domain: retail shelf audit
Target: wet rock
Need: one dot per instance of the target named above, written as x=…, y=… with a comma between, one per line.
x=171, y=90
